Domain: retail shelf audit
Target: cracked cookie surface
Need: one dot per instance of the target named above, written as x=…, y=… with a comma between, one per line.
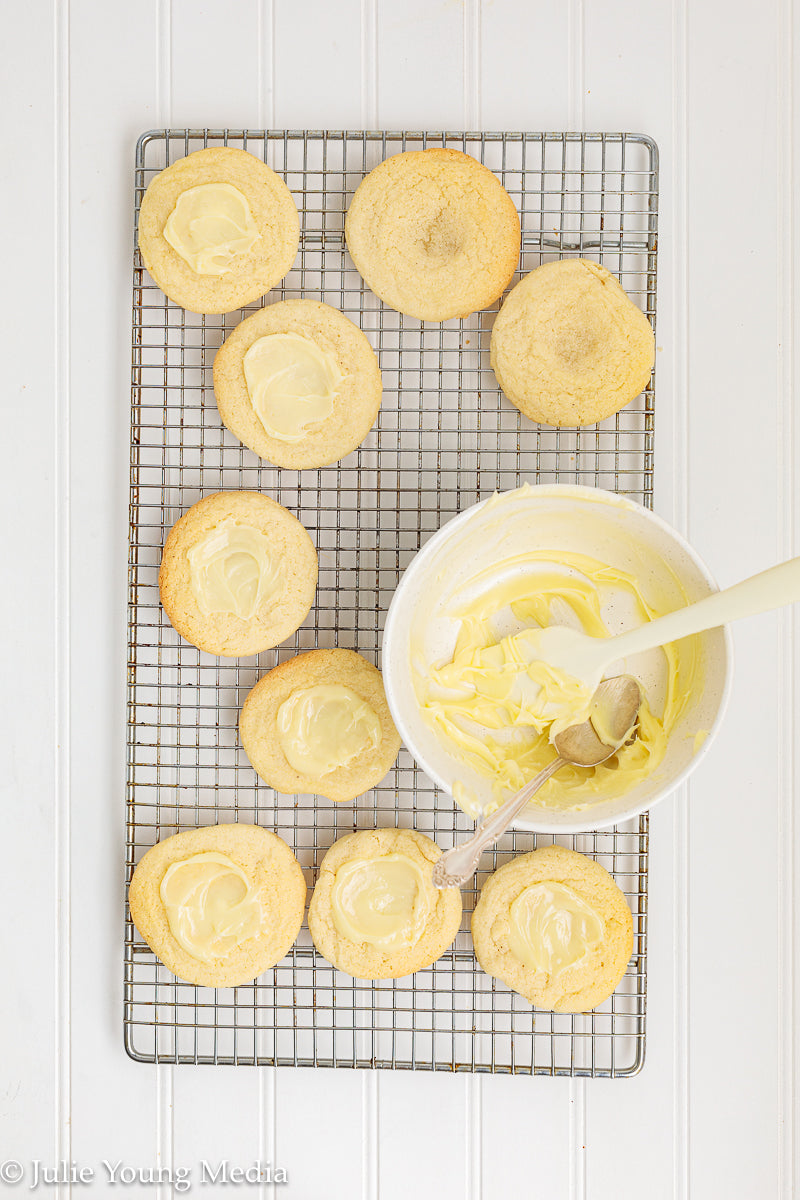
x=569, y=347
x=434, y=234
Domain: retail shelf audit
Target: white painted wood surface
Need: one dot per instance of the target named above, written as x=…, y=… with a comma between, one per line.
x=713, y=1113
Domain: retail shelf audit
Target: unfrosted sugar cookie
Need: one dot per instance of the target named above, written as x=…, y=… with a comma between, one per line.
x=569, y=347
x=555, y=927
x=218, y=229
x=375, y=913
x=238, y=574
x=298, y=383
x=219, y=905
x=434, y=234
x=319, y=723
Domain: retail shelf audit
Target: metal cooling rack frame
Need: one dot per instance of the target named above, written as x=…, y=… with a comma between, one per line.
x=445, y=438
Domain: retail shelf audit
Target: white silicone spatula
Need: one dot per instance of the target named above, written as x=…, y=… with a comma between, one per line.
x=587, y=658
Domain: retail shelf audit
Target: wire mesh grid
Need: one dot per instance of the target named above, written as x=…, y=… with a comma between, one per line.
x=445, y=438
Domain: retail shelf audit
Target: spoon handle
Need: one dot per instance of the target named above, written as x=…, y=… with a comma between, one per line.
x=458, y=865
x=770, y=589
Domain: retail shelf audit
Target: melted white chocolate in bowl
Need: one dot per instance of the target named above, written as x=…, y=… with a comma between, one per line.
x=498, y=705
x=479, y=709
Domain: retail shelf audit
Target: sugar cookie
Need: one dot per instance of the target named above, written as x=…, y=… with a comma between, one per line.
x=569, y=347
x=374, y=912
x=219, y=905
x=238, y=574
x=555, y=927
x=218, y=229
x=298, y=383
x=434, y=234
x=319, y=723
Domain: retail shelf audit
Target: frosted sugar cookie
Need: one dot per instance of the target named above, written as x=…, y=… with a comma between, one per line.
x=320, y=723
x=569, y=347
x=238, y=574
x=218, y=229
x=219, y=905
x=298, y=383
x=374, y=912
x=555, y=927
x=434, y=234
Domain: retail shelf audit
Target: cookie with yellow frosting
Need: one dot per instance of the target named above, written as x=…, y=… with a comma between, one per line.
x=555, y=927
x=219, y=905
x=319, y=723
x=298, y=383
x=569, y=347
x=374, y=912
x=218, y=229
x=434, y=234
x=238, y=574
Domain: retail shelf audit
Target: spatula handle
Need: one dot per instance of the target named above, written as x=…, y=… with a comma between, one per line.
x=770, y=589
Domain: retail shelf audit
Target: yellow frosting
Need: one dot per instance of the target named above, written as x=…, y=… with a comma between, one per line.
x=326, y=726
x=382, y=901
x=497, y=706
x=551, y=928
x=292, y=383
x=231, y=570
x=211, y=905
x=699, y=738
x=209, y=226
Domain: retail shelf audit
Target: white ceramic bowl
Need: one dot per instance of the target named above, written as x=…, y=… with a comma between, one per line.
x=569, y=519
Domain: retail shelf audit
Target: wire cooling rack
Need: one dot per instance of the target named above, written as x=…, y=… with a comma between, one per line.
x=445, y=438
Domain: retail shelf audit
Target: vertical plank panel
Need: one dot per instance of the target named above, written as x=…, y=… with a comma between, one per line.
x=789, y=35
x=215, y=63
x=216, y=1122
x=525, y=1127
x=101, y=143
x=789, y=66
x=734, y=474
x=525, y=65
x=318, y=65
x=421, y=1114
x=421, y=65
x=28, y=1038
x=320, y=1109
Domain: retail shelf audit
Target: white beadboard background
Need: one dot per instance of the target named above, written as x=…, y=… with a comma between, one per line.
x=713, y=1114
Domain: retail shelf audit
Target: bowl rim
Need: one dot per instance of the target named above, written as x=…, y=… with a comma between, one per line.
x=440, y=537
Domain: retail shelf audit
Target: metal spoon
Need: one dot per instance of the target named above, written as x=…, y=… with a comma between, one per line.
x=615, y=706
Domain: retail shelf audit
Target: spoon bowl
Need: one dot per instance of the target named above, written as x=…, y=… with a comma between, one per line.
x=612, y=723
